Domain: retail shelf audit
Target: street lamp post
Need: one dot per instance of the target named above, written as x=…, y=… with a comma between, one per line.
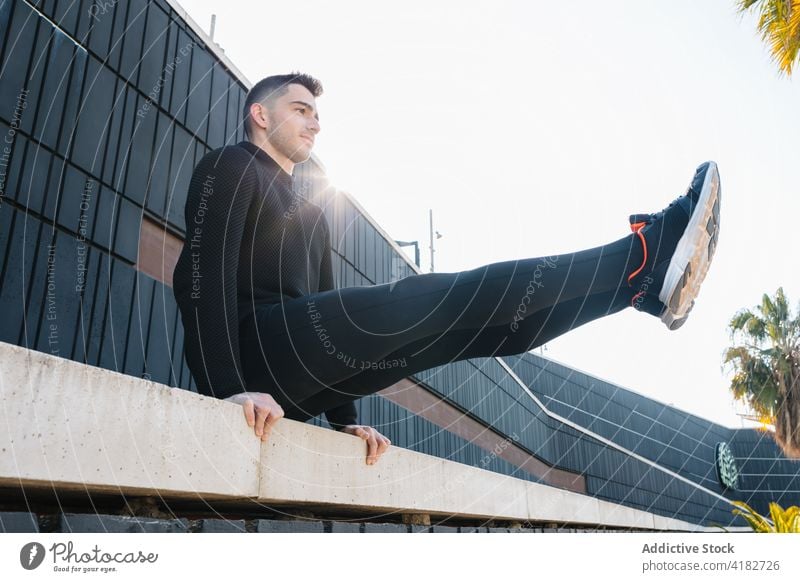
x=430, y=213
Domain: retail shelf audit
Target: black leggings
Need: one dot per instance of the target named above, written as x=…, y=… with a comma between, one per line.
x=316, y=352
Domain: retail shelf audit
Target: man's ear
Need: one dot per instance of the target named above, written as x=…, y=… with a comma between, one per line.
x=258, y=116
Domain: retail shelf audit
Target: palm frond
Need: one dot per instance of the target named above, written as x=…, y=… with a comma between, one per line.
x=765, y=360
x=758, y=522
x=783, y=520
x=779, y=26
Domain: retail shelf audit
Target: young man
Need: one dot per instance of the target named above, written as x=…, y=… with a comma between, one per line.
x=266, y=328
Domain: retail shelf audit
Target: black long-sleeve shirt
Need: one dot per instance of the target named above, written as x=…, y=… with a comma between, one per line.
x=249, y=239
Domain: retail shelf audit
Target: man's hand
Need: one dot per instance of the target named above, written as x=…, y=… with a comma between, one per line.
x=376, y=442
x=260, y=410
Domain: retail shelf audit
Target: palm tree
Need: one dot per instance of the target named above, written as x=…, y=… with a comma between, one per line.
x=783, y=520
x=765, y=357
x=779, y=25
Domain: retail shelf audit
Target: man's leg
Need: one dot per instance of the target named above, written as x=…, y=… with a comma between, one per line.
x=298, y=348
x=534, y=331
x=303, y=346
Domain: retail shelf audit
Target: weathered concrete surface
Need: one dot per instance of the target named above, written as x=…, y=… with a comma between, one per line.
x=70, y=425
x=307, y=464
x=65, y=425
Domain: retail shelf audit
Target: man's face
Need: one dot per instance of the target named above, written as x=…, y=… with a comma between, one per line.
x=293, y=123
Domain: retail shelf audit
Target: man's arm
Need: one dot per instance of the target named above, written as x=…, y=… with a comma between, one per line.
x=326, y=282
x=342, y=415
x=346, y=413
x=204, y=282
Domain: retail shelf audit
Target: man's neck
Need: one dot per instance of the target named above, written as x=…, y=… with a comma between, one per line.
x=285, y=163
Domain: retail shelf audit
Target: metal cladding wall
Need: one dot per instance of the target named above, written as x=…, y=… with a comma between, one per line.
x=765, y=474
x=676, y=440
x=104, y=111
x=114, y=114
x=486, y=389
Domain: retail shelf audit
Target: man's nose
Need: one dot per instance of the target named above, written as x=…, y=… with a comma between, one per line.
x=315, y=127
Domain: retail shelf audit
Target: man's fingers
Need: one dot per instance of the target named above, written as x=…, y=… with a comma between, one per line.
x=383, y=444
x=275, y=414
x=372, y=444
x=261, y=416
x=249, y=412
x=260, y=411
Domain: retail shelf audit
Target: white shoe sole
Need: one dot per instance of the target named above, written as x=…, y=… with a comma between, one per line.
x=689, y=264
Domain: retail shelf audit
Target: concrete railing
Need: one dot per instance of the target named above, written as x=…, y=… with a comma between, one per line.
x=72, y=427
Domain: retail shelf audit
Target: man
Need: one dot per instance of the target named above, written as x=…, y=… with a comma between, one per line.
x=281, y=121
x=266, y=328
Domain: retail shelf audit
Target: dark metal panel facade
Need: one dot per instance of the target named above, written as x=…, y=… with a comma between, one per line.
x=610, y=474
x=677, y=440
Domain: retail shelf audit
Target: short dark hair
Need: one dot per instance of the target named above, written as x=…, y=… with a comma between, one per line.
x=273, y=87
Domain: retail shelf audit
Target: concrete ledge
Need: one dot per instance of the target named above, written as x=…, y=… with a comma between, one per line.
x=68, y=426
x=304, y=464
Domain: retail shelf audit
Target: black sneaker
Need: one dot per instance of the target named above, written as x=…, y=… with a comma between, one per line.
x=647, y=301
x=682, y=239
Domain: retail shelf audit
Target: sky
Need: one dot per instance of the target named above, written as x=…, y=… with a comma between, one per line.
x=536, y=128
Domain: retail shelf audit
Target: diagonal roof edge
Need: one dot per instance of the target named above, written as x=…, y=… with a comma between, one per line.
x=212, y=46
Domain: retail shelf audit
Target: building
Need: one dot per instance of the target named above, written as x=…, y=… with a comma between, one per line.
x=105, y=107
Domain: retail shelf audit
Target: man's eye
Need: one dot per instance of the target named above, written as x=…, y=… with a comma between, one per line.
x=302, y=110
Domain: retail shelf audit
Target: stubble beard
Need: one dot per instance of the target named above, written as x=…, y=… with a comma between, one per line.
x=283, y=143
